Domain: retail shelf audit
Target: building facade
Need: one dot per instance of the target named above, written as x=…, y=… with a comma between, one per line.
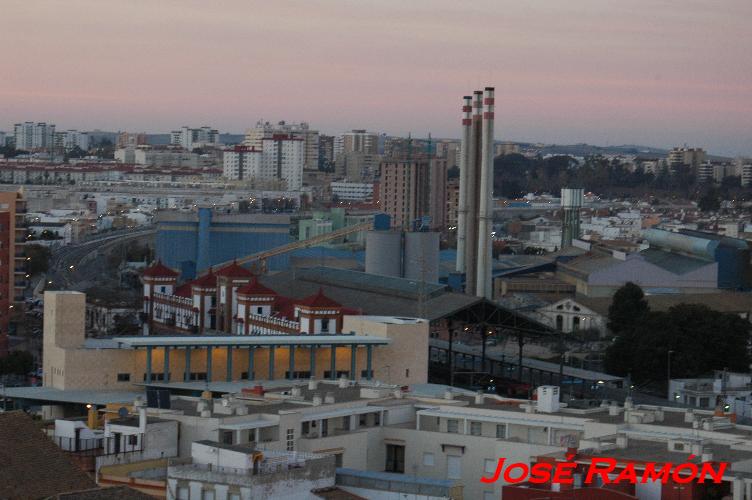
x=415, y=189
x=193, y=241
x=30, y=136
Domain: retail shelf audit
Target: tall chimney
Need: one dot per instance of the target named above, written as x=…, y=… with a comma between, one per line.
x=484, y=282
x=472, y=194
x=462, y=219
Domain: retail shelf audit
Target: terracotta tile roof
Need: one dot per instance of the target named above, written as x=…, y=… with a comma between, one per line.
x=318, y=300
x=255, y=288
x=159, y=270
x=208, y=280
x=32, y=465
x=183, y=290
x=234, y=270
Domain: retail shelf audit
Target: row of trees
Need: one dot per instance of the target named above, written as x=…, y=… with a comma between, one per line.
x=698, y=338
x=516, y=175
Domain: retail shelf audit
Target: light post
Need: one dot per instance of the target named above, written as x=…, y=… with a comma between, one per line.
x=668, y=374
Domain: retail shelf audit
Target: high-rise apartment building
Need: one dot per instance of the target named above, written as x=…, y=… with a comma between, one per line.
x=691, y=157
x=30, y=136
x=326, y=152
x=12, y=260
x=71, y=139
x=414, y=189
x=278, y=157
x=190, y=138
x=357, y=141
x=302, y=131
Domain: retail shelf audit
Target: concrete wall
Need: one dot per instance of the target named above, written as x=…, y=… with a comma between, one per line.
x=405, y=360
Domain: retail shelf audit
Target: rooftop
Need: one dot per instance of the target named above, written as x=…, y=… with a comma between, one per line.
x=33, y=466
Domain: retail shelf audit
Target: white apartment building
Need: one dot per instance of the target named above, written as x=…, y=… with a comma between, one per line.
x=242, y=163
x=71, y=139
x=189, y=138
x=310, y=138
x=219, y=471
x=280, y=157
x=30, y=136
x=168, y=158
x=352, y=191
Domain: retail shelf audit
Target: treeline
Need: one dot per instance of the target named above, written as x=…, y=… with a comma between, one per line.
x=516, y=175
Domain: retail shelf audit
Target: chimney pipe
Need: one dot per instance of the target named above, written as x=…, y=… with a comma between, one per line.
x=462, y=218
x=484, y=284
x=472, y=194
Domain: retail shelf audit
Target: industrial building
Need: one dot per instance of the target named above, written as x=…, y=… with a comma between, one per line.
x=676, y=262
x=192, y=241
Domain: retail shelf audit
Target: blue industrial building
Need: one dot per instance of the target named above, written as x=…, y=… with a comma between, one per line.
x=193, y=241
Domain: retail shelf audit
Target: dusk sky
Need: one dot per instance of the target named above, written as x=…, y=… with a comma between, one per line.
x=652, y=72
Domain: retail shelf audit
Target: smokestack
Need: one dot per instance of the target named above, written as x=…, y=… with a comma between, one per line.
x=462, y=219
x=472, y=194
x=484, y=283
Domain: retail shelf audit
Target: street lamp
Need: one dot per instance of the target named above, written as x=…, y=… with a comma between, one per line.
x=668, y=373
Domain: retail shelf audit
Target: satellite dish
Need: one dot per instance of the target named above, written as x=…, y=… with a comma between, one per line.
x=123, y=412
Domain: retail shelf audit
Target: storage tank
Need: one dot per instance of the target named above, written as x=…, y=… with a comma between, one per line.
x=384, y=253
x=421, y=262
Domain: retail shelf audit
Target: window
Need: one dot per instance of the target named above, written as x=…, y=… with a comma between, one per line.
x=559, y=322
x=123, y=377
x=290, y=439
x=395, y=458
x=475, y=428
x=576, y=323
x=489, y=465
x=324, y=325
x=133, y=440
x=428, y=459
x=704, y=402
x=501, y=431
x=183, y=493
x=207, y=495
x=366, y=374
x=453, y=426
x=227, y=437
x=259, y=310
x=454, y=467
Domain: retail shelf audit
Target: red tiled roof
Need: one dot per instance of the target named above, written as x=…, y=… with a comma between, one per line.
x=208, y=280
x=159, y=270
x=318, y=300
x=255, y=288
x=183, y=290
x=234, y=270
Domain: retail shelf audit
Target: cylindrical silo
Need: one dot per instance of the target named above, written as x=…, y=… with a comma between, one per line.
x=384, y=253
x=421, y=262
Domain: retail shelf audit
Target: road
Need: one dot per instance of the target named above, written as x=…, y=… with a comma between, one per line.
x=77, y=267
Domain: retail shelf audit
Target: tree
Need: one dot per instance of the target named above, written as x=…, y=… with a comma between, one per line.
x=627, y=308
x=700, y=340
x=709, y=202
x=17, y=363
x=38, y=258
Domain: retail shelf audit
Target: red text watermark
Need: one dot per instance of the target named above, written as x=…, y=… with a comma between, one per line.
x=608, y=471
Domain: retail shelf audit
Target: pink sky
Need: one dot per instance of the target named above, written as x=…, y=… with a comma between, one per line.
x=653, y=72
